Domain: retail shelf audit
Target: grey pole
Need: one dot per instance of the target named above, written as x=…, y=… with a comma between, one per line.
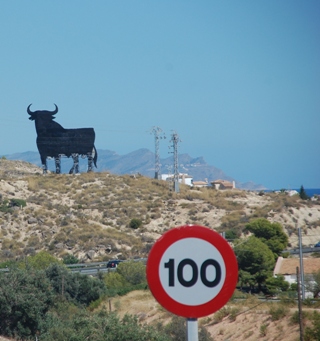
x=175, y=139
x=192, y=329
x=301, y=266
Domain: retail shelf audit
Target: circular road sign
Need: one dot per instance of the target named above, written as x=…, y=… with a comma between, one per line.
x=192, y=271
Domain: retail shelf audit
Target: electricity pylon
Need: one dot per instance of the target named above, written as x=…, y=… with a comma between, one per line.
x=158, y=135
x=175, y=140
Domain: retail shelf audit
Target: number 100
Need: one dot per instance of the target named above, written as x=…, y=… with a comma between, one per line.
x=195, y=272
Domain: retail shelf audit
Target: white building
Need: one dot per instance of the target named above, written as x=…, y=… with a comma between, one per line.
x=287, y=267
x=183, y=178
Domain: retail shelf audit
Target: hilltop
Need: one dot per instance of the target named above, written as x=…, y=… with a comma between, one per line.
x=90, y=215
x=142, y=161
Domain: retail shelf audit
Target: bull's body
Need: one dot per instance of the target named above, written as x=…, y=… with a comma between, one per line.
x=55, y=141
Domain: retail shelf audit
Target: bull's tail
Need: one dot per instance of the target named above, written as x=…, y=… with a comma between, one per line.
x=95, y=158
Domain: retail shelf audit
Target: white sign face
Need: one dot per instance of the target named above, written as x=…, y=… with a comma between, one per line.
x=192, y=271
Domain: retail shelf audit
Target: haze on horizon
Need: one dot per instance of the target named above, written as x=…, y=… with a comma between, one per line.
x=239, y=82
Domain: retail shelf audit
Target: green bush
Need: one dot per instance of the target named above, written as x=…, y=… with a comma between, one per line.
x=135, y=223
x=294, y=319
x=313, y=332
x=81, y=325
x=70, y=259
x=17, y=203
x=277, y=312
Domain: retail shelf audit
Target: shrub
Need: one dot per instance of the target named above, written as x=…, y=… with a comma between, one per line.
x=313, y=332
x=17, y=203
x=70, y=259
x=277, y=312
x=135, y=223
x=176, y=330
x=80, y=325
x=263, y=329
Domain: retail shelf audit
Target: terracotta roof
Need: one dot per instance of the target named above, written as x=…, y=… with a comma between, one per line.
x=200, y=183
x=288, y=266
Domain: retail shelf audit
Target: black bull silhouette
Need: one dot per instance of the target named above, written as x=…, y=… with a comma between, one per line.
x=55, y=141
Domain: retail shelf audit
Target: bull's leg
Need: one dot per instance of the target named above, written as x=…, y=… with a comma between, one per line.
x=76, y=164
x=75, y=167
x=90, y=162
x=71, y=170
x=57, y=162
x=44, y=164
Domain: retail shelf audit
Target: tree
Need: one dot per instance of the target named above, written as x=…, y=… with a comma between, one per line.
x=302, y=193
x=114, y=280
x=41, y=260
x=74, y=287
x=133, y=272
x=271, y=234
x=25, y=298
x=255, y=260
x=276, y=284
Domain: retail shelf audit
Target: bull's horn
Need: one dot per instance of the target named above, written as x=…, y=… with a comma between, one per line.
x=28, y=110
x=55, y=111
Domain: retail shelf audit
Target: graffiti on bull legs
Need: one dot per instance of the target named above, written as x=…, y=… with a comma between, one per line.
x=90, y=158
x=44, y=168
x=57, y=162
x=53, y=140
x=75, y=166
x=44, y=164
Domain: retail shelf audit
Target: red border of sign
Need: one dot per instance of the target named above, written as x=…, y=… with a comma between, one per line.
x=192, y=231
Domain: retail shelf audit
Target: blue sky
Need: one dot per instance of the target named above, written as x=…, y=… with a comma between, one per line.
x=239, y=81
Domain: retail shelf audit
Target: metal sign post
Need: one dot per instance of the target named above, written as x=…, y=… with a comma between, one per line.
x=192, y=329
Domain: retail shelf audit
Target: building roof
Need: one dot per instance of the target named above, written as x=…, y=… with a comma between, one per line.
x=197, y=183
x=288, y=266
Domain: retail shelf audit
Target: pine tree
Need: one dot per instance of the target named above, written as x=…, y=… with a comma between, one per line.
x=303, y=194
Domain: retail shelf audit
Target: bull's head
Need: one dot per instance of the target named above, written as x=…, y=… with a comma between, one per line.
x=43, y=114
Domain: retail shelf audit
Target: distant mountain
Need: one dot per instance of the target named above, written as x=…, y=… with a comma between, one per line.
x=141, y=161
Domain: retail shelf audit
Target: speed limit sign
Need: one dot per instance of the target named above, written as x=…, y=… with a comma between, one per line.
x=192, y=271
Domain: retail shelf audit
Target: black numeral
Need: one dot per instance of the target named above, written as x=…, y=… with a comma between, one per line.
x=195, y=272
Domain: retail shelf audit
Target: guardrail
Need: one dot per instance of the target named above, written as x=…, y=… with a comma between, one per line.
x=296, y=251
x=92, y=268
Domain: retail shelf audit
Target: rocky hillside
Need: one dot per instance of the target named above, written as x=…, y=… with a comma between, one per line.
x=99, y=216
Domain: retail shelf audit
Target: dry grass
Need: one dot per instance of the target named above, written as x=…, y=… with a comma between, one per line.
x=67, y=213
x=247, y=319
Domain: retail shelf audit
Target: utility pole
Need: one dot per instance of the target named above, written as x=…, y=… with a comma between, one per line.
x=157, y=136
x=301, y=265
x=175, y=140
x=299, y=305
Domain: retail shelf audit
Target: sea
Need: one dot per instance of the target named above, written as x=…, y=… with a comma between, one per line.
x=311, y=191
